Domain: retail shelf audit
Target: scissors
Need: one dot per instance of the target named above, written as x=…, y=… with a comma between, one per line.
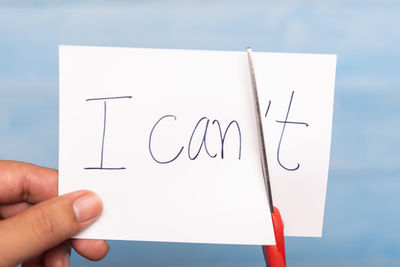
x=274, y=255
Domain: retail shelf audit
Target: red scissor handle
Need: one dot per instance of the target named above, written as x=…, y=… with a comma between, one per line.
x=275, y=255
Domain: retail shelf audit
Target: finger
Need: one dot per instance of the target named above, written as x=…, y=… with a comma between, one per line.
x=26, y=182
x=46, y=225
x=58, y=256
x=7, y=211
x=34, y=262
x=92, y=249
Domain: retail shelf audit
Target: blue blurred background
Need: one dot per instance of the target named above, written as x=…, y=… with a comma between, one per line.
x=362, y=216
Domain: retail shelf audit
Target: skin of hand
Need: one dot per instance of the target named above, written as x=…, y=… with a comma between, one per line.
x=36, y=224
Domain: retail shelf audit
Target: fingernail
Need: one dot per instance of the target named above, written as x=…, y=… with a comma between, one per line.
x=87, y=207
x=67, y=259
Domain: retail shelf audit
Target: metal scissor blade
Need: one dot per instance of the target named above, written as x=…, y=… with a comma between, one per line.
x=261, y=140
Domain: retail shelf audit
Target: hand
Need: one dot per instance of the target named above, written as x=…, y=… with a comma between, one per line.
x=35, y=224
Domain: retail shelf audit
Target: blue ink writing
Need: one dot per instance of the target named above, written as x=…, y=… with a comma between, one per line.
x=285, y=122
x=203, y=142
x=222, y=136
x=105, y=99
x=202, y=124
x=266, y=112
x=151, y=136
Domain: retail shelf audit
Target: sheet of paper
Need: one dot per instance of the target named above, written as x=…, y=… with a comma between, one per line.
x=297, y=93
x=168, y=139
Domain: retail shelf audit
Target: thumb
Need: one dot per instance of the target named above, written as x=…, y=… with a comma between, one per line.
x=45, y=225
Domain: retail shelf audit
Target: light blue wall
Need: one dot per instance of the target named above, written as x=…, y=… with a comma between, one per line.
x=361, y=219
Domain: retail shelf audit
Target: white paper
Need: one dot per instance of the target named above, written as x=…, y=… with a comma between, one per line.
x=305, y=82
x=163, y=195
